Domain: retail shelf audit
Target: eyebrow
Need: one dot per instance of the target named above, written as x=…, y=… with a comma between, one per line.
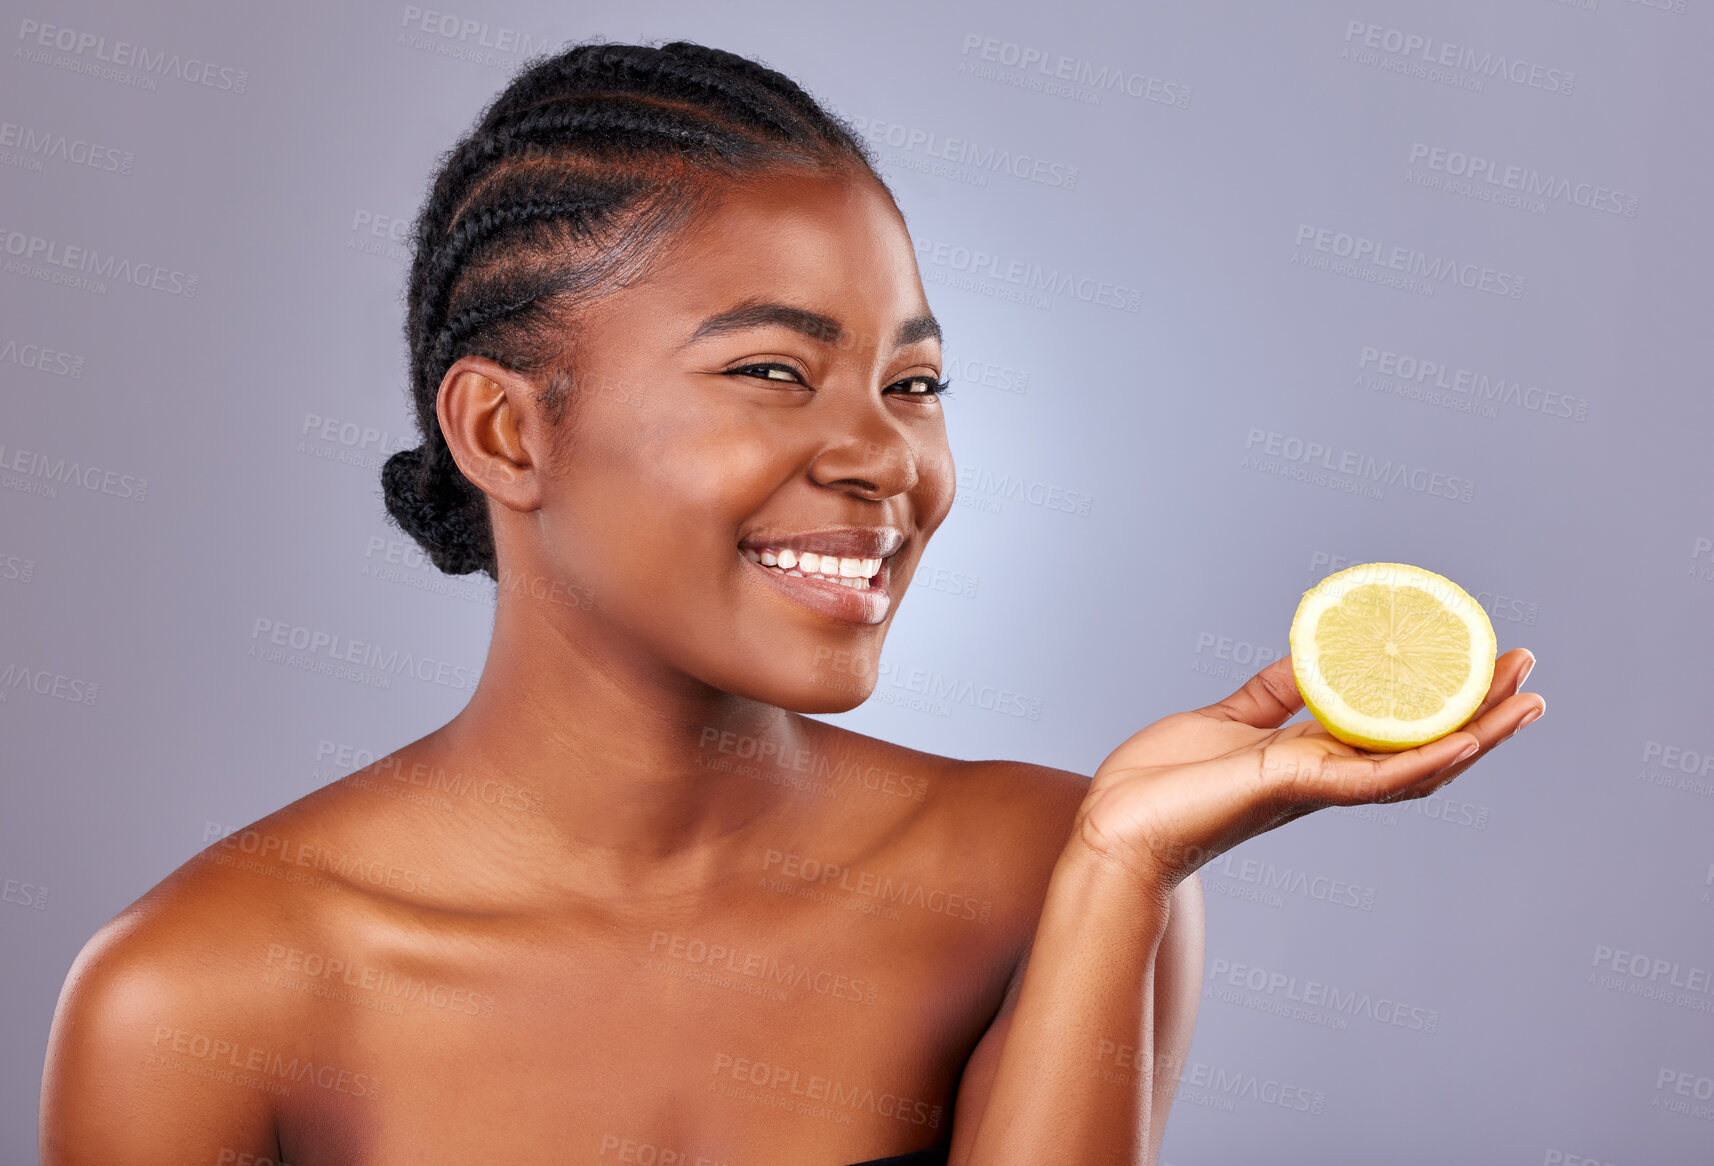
x=815, y=325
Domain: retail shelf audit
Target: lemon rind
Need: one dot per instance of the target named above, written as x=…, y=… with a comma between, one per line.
x=1389, y=734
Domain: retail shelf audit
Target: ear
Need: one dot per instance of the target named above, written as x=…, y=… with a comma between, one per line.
x=485, y=413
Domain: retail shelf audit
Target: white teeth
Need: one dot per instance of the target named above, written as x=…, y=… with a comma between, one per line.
x=852, y=572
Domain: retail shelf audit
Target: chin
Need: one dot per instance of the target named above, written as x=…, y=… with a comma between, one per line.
x=822, y=690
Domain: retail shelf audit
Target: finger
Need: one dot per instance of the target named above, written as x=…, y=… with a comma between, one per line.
x=1498, y=724
x=1509, y=672
x=1267, y=699
x=1352, y=779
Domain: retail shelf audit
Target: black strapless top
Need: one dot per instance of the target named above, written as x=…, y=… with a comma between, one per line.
x=934, y=1156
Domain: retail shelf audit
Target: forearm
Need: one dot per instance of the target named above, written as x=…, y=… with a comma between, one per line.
x=1075, y=1080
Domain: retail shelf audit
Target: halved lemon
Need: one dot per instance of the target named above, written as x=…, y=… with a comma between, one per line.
x=1389, y=656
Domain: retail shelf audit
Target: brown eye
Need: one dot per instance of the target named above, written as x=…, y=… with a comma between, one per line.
x=924, y=387
x=767, y=369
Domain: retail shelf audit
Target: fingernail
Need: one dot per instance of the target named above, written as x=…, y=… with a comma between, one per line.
x=1467, y=752
x=1525, y=674
x=1530, y=716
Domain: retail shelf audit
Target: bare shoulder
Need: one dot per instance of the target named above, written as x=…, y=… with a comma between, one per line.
x=1002, y=822
x=152, y=1011
x=170, y=1020
x=1023, y=793
x=1033, y=806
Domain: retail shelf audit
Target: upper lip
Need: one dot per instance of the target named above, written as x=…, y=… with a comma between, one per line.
x=848, y=542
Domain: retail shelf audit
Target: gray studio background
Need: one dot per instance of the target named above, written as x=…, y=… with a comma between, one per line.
x=1235, y=294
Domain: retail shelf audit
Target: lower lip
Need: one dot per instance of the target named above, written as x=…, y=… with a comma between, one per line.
x=832, y=599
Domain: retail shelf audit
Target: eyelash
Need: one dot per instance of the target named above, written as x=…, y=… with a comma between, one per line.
x=942, y=388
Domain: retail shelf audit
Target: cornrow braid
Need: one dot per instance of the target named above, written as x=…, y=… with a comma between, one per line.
x=559, y=193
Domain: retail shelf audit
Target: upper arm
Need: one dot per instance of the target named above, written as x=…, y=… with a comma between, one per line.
x=1176, y=987
x=144, y=1061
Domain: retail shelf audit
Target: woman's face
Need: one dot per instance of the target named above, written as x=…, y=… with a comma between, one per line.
x=681, y=461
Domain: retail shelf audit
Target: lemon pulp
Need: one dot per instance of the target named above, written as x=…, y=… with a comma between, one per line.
x=1389, y=656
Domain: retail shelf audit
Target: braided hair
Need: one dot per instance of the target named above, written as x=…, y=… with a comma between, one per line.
x=559, y=193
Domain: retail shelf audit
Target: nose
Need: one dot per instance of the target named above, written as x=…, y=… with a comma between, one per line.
x=866, y=452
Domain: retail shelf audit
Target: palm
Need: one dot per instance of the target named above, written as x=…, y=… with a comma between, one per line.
x=1194, y=784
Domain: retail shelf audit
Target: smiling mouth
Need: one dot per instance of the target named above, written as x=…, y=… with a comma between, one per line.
x=857, y=574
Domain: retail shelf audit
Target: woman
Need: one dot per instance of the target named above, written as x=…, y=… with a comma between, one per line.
x=678, y=385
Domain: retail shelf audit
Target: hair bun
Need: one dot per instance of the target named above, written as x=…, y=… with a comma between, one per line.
x=431, y=500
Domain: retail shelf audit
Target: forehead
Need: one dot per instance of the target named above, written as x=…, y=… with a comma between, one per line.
x=832, y=244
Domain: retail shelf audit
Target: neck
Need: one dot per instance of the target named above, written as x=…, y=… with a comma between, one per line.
x=631, y=763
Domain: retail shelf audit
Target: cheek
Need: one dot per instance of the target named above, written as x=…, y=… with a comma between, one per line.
x=937, y=482
x=663, y=480
x=709, y=486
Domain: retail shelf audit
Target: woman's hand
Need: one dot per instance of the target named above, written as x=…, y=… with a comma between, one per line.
x=1193, y=785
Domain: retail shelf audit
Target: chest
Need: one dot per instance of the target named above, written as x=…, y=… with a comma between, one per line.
x=807, y=1038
